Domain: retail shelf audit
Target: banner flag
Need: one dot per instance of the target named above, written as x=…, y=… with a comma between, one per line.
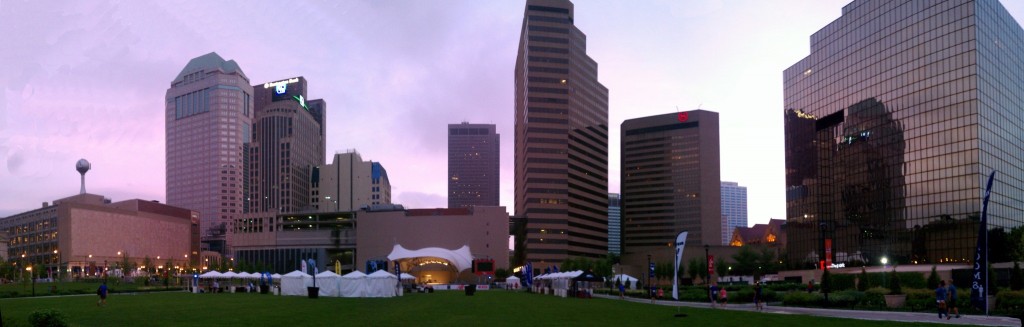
x=680, y=243
x=979, y=286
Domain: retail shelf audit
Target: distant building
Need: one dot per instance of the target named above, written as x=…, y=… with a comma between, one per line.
x=614, y=223
x=670, y=183
x=288, y=142
x=208, y=114
x=88, y=235
x=349, y=183
x=772, y=234
x=734, y=209
x=473, y=165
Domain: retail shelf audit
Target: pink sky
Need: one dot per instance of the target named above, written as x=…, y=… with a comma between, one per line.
x=87, y=80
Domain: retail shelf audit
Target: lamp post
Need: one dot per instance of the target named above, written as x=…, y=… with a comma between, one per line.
x=707, y=258
x=650, y=289
x=885, y=266
x=33, y=278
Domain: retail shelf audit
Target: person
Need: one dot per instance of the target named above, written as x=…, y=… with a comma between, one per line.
x=102, y=292
x=714, y=295
x=940, y=298
x=622, y=290
x=951, y=303
x=723, y=297
x=757, y=296
x=810, y=286
x=216, y=287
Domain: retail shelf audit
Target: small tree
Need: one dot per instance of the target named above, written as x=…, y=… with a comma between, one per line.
x=894, y=284
x=863, y=283
x=933, y=279
x=148, y=263
x=694, y=268
x=721, y=268
x=1016, y=278
x=826, y=282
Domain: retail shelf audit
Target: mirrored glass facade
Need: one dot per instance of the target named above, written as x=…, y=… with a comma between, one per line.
x=893, y=123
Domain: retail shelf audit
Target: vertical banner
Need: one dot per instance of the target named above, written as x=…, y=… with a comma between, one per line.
x=680, y=243
x=828, y=253
x=979, y=285
x=528, y=274
x=711, y=266
x=302, y=265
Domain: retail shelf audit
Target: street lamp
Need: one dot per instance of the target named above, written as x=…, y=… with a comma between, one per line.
x=650, y=289
x=707, y=259
x=33, y=278
x=58, y=263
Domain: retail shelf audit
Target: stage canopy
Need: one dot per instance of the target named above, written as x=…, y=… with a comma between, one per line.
x=462, y=259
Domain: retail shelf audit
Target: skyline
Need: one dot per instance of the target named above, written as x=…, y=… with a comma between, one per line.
x=412, y=67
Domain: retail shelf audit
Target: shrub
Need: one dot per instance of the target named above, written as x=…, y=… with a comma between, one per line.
x=826, y=282
x=920, y=299
x=863, y=283
x=933, y=279
x=47, y=318
x=845, y=299
x=1016, y=278
x=785, y=287
x=842, y=282
x=894, y=284
x=802, y=299
x=1012, y=301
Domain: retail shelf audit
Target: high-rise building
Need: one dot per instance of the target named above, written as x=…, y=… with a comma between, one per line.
x=734, y=209
x=670, y=182
x=208, y=117
x=614, y=223
x=349, y=183
x=288, y=141
x=561, y=139
x=893, y=123
x=473, y=165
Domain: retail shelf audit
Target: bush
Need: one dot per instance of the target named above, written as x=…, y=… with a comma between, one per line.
x=842, y=282
x=845, y=299
x=863, y=282
x=920, y=299
x=1012, y=301
x=47, y=318
x=875, y=297
x=894, y=284
x=933, y=279
x=802, y=299
x=785, y=287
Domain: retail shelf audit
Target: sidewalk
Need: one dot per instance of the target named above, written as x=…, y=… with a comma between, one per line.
x=931, y=317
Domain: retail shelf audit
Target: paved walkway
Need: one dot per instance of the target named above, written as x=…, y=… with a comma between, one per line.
x=850, y=314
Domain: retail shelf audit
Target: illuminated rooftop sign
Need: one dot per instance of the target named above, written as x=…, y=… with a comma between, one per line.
x=281, y=82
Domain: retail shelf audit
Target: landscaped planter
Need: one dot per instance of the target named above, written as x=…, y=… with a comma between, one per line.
x=895, y=301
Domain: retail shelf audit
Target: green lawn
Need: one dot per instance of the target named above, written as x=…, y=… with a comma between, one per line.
x=443, y=308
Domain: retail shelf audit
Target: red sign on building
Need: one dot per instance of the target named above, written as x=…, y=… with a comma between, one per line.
x=711, y=265
x=828, y=252
x=683, y=117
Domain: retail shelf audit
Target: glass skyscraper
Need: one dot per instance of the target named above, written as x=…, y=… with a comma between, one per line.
x=614, y=223
x=734, y=209
x=893, y=123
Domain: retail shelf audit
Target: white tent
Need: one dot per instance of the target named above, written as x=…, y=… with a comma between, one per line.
x=513, y=281
x=329, y=283
x=462, y=259
x=381, y=284
x=275, y=276
x=295, y=283
x=353, y=284
x=211, y=274
x=407, y=276
x=230, y=274
x=626, y=279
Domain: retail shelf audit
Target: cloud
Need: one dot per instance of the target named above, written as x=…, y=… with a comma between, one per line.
x=416, y=200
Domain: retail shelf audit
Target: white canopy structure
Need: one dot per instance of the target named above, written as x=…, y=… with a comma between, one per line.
x=625, y=279
x=353, y=284
x=407, y=276
x=295, y=283
x=275, y=276
x=329, y=283
x=513, y=281
x=381, y=284
x=211, y=274
x=229, y=275
x=461, y=258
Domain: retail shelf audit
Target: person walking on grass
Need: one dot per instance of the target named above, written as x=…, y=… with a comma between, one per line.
x=940, y=299
x=723, y=296
x=951, y=303
x=757, y=296
x=622, y=290
x=102, y=292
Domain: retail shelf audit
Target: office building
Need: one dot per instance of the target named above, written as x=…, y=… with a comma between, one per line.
x=561, y=139
x=288, y=141
x=734, y=209
x=614, y=223
x=670, y=183
x=208, y=118
x=473, y=165
x=893, y=123
x=349, y=183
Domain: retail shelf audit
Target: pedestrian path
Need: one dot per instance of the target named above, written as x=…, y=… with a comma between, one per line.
x=849, y=314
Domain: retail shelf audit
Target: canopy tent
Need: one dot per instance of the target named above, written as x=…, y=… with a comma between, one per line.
x=407, y=276
x=630, y=281
x=295, y=283
x=461, y=258
x=381, y=284
x=230, y=275
x=353, y=284
x=275, y=276
x=211, y=274
x=512, y=281
x=587, y=276
x=329, y=283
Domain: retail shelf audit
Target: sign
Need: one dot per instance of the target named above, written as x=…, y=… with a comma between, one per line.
x=281, y=82
x=828, y=252
x=280, y=89
x=711, y=265
x=650, y=270
x=837, y=265
x=979, y=282
x=683, y=117
x=680, y=243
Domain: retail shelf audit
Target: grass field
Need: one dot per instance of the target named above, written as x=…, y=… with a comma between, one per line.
x=443, y=308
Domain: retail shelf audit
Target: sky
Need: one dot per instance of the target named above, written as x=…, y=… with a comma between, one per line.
x=87, y=79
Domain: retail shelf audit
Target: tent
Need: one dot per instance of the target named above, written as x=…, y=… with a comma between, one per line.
x=407, y=276
x=275, y=276
x=513, y=282
x=381, y=284
x=211, y=274
x=329, y=283
x=626, y=279
x=230, y=275
x=353, y=284
x=461, y=258
x=295, y=283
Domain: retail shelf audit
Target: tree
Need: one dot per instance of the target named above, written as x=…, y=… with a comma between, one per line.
x=933, y=279
x=766, y=263
x=863, y=283
x=746, y=261
x=500, y=273
x=694, y=268
x=1017, y=243
x=147, y=263
x=894, y=283
x=720, y=268
x=1016, y=278
x=826, y=282
x=127, y=265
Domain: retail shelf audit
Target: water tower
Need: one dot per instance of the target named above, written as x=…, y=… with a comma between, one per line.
x=83, y=166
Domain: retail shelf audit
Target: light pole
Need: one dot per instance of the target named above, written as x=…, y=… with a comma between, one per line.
x=885, y=266
x=707, y=258
x=33, y=278
x=650, y=290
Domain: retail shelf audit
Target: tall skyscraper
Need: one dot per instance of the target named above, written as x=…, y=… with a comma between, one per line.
x=348, y=183
x=893, y=123
x=614, y=223
x=670, y=182
x=473, y=165
x=734, y=209
x=561, y=138
x=288, y=142
x=208, y=112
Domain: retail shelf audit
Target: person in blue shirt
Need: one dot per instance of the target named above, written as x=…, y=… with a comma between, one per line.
x=940, y=299
x=102, y=292
x=951, y=304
